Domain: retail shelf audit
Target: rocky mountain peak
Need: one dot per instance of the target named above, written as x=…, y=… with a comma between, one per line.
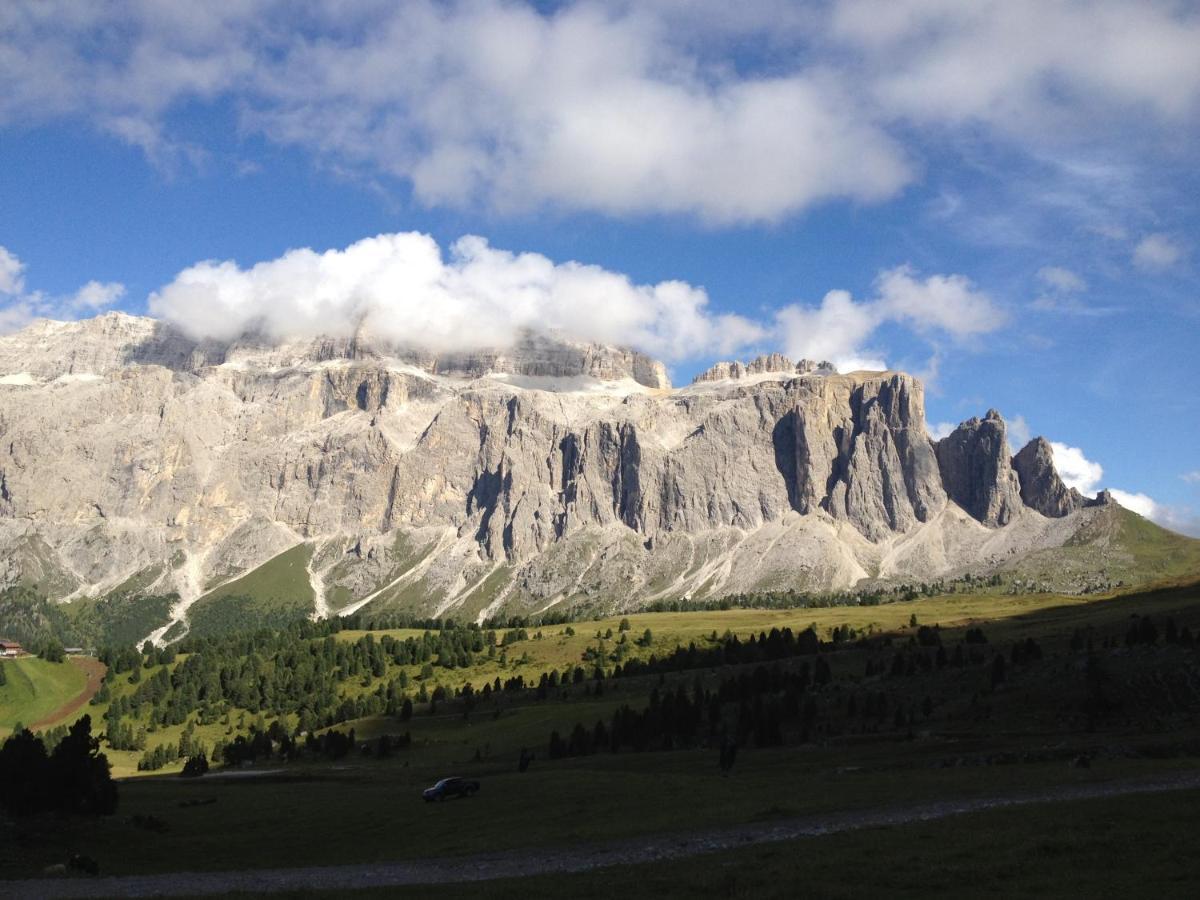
x=977, y=472
x=1041, y=487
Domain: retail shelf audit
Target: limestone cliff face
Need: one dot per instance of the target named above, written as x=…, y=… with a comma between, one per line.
x=977, y=472
x=516, y=478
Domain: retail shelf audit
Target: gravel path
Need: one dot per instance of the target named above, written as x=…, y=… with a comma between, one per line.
x=520, y=863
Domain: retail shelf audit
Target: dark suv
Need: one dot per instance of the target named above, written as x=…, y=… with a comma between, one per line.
x=450, y=787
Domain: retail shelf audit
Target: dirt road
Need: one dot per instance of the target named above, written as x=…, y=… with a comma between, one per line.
x=534, y=861
x=94, y=670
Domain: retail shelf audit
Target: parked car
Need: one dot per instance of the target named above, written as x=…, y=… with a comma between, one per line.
x=450, y=787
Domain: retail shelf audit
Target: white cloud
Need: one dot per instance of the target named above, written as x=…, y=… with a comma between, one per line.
x=839, y=329
x=95, y=296
x=1019, y=65
x=18, y=308
x=621, y=108
x=1156, y=252
x=11, y=268
x=1192, y=477
x=610, y=109
x=834, y=331
x=1138, y=503
x=1075, y=469
x=1062, y=280
x=945, y=302
x=400, y=287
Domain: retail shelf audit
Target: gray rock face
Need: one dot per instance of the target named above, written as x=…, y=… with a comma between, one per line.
x=546, y=472
x=1041, y=488
x=976, y=470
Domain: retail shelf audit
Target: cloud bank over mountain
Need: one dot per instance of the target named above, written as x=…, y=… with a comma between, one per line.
x=403, y=287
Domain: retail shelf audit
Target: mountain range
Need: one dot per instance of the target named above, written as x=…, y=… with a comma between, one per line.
x=198, y=484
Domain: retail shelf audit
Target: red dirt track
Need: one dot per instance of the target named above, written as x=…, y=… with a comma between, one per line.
x=94, y=670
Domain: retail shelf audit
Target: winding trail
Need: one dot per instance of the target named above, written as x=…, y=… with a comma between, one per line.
x=534, y=861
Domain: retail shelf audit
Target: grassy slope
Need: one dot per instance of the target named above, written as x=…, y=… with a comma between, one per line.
x=274, y=594
x=1116, y=546
x=556, y=650
x=35, y=688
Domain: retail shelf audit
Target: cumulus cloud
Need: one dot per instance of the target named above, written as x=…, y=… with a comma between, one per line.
x=1156, y=252
x=401, y=287
x=949, y=303
x=840, y=327
x=621, y=108
x=18, y=307
x=1075, y=469
x=835, y=331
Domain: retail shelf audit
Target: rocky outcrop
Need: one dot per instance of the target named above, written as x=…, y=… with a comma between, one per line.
x=722, y=371
x=976, y=470
x=771, y=364
x=537, y=356
x=1041, y=487
x=808, y=367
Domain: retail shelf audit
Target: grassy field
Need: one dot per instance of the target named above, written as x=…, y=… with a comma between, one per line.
x=1142, y=846
x=978, y=740
x=35, y=688
x=371, y=811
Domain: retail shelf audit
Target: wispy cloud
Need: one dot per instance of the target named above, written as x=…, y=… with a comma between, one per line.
x=19, y=307
x=1156, y=252
x=1062, y=291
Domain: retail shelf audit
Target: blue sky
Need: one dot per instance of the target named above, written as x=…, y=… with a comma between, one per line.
x=1006, y=193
